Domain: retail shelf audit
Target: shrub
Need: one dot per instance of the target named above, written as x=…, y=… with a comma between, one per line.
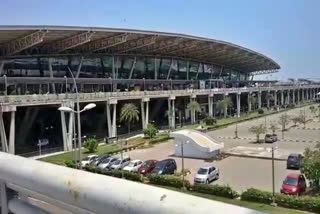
x=295, y=202
x=311, y=107
x=70, y=164
x=260, y=111
x=256, y=195
x=151, y=131
x=209, y=121
x=217, y=190
x=160, y=139
x=91, y=145
x=168, y=180
x=291, y=105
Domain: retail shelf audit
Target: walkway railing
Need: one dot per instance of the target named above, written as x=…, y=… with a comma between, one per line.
x=83, y=192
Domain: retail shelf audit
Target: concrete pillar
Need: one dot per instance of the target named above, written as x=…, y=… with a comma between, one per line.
x=288, y=96
x=3, y=135
x=275, y=98
x=294, y=96
x=249, y=102
x=268, y=99
x=282, y=97
x=173, y=114
x=259, y=100
x=307, y=94
x=143, y=115
x=12, y=133
x=193, y=113
x=170, y=114
x=64, y=130
x=302, y=94
x=108, y=119
x=210, y=105
x=145, y=112
x=238, y=104
x=112, y=126
x=114, y=119
x=70, y=132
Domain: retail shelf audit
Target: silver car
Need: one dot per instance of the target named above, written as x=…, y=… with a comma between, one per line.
x=120, y=164
x=206, y=174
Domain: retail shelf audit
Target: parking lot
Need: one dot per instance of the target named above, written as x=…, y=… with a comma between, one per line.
x=242, y=172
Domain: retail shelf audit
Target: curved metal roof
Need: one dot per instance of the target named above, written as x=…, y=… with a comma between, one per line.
x=26, y=41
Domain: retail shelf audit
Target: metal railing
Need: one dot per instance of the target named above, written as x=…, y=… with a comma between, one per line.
x=83, y=192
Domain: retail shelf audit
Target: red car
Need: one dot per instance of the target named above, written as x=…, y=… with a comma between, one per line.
x=294, y=184
x=147, y=167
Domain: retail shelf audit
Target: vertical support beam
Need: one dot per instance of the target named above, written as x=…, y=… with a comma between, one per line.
x=282, y=98
x=288, y=96
x=307, y=94
x=114, y=119
x=64, y=130
x=294, y=96
x=169, y=71
x=3, y=134
x=147, y=113
x=51, y=74
x=225, y=110
x=12, y=133
x=1, y=67
x=268, y=99
x=108, y=119
x=169, y=113
x=302, y=94
x=275, y=96
x=249, y=102
x=173, y=114
x=70, y=132
x=143, y=115
x=298, y=93
x=259, y=100
x=210, y=105
x=155, y=69
x=132, y=67
x=238, y=104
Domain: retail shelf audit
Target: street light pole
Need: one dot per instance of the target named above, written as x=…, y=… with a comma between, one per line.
x=182, y=156
x=273, y=185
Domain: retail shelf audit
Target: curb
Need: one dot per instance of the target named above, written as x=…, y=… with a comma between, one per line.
x=252, y=156
x=284, y=140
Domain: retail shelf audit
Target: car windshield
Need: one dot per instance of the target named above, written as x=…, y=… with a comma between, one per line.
x=131, y=164
x=117, y=162
x=160, y=166
x=291, y=182
x=107, y=160
x=202, y=171
x=146, y=163
x=86, y=158
x=293, y=157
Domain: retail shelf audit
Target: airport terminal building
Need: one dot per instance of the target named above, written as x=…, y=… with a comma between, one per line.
x=41, y=68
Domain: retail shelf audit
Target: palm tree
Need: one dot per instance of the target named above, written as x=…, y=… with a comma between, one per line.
x=223, y=105
x=129, y=114
x=194, y=107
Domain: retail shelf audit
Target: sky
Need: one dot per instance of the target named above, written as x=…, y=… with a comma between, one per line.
x=288, y=31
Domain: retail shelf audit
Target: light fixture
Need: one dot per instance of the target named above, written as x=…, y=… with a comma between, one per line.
x=64, y=108
x=89, y=106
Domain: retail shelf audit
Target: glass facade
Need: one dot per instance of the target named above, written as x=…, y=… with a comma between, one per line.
x=121, y=67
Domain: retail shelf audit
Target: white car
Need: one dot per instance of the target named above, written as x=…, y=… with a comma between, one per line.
x=89, y=159
x=107, y=162
x=133, y=166
x=207, y=174
x=120, y=164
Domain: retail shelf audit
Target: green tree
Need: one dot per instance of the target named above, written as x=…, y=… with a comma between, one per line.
x=91, y=145
x=302, y=118
x=151, y=131
x=194, y=107
x=273, y=127
x=258, y=130
x=295, y=120
x=283, y=121
x=223, y=105
x=129, y=114
x=310, y=165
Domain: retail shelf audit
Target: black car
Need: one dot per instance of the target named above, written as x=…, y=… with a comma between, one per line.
x=165, y=167
x=294, y=161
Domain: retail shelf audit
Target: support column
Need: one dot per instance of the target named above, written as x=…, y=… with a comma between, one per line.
x=238, y=104
x=288, y=97
x=155, y=69
x=275, y=98
x=268, y=99
x=145, y=112
x=259, y=100
x=64, y=130
x=210, y=105
x=170, y=114
x=282, y=98
x=143, y=115
x=249, y=102
x=70, y=132
x=112, y=126
x=1, y=67
x=173, y=113
x=12, y=133
x=193, y=113
x=294, y=96
x=302, y=93
x=298, y=93
x=4, y=142
x=307, y=94
x=114, y=119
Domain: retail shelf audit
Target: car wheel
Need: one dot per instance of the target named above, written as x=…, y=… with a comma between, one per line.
x=207, y=181
x=217, y=176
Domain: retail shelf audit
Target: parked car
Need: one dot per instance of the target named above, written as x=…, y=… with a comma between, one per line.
x=89, y=159
x=120, y=164
x=294, y=161
x=147, y=167
x=106, y=163
x=294, y=184
x=165, y=167
x=207, y=174
x=99, y=160
x=133, y=166
x=270, y=138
